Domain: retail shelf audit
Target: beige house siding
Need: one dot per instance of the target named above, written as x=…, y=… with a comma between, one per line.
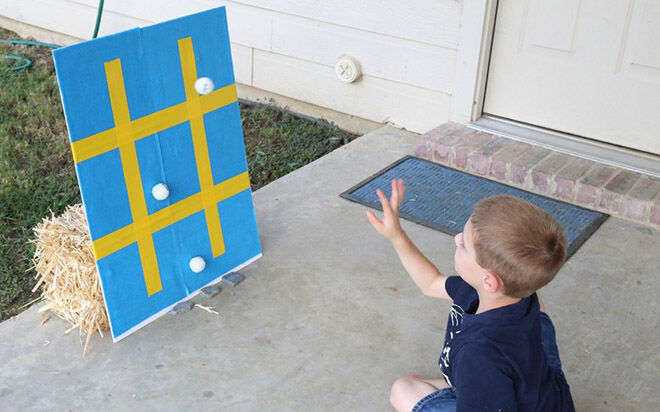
x=407, y=50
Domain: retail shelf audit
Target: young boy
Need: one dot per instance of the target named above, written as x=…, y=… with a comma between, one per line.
x=500, y=352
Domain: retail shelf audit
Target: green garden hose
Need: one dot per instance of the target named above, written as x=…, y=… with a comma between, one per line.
x=98, y=19
x=27, y=62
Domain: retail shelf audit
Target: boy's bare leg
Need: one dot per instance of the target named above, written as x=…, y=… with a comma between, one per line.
x=437, y=383
x=406, y=392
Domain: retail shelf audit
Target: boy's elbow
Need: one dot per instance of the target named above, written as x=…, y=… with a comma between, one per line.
x=429, y=290
x=426, y=291
x=436, y=288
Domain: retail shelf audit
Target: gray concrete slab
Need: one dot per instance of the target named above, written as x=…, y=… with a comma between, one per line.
x=328, y=319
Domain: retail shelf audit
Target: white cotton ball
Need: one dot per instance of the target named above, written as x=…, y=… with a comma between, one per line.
x=160, y=191
x=197, y=264
x=204, y=85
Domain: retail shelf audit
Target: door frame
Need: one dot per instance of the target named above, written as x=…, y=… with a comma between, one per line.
x=477, y=32
x=485, y=49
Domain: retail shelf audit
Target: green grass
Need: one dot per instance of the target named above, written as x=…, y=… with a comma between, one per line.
x=278, y=143
x=37, y=174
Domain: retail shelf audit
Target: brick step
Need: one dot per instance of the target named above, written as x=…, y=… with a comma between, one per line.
x=618, y=192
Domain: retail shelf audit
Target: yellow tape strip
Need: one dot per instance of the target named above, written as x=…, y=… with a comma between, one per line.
x=218, y=98
x=232, y=186
x=125, y=142
x=125, y=236
x=196, y=116
x=113, y=241
x=104, y=141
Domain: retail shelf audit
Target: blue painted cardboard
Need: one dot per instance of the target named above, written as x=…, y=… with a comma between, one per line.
x=153, y=82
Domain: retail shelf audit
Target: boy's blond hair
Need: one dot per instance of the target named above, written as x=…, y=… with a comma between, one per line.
x=522, y=244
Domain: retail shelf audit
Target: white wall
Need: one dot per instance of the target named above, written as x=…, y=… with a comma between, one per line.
x=408, y=50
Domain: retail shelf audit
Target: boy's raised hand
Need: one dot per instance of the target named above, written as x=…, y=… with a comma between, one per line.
x=425, y=275
x=389, y=226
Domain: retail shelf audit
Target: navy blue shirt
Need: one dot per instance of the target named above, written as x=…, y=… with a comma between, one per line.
x=495, y=359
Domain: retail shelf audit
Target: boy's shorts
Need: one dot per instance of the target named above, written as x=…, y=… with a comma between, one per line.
x=444, y=400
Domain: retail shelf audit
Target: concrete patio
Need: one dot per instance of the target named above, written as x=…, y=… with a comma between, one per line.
x=328, y=318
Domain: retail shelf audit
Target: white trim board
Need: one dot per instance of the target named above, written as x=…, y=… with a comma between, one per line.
x=472, y=56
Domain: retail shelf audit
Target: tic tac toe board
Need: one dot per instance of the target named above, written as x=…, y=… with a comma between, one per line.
x=136, y=121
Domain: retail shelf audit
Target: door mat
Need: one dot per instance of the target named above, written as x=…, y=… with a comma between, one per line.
x=442, y=198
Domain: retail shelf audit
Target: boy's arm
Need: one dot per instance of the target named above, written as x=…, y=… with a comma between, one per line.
x=425, y=275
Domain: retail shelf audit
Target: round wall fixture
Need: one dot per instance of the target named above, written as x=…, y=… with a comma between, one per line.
x=347, y=69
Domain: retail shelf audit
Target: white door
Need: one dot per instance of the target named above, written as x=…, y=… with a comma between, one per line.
x=585, y=67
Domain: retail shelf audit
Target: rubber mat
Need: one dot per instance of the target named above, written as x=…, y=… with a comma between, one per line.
x=442, y=198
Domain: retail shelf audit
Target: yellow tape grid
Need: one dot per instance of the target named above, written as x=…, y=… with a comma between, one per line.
x=124, y=135
x=198, y=132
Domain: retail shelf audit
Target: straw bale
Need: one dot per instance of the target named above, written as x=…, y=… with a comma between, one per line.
x=67, y=273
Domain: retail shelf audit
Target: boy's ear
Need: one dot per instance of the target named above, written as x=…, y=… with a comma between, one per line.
x=492, y=282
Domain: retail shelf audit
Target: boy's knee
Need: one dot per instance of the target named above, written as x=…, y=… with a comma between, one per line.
x=399, y=388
